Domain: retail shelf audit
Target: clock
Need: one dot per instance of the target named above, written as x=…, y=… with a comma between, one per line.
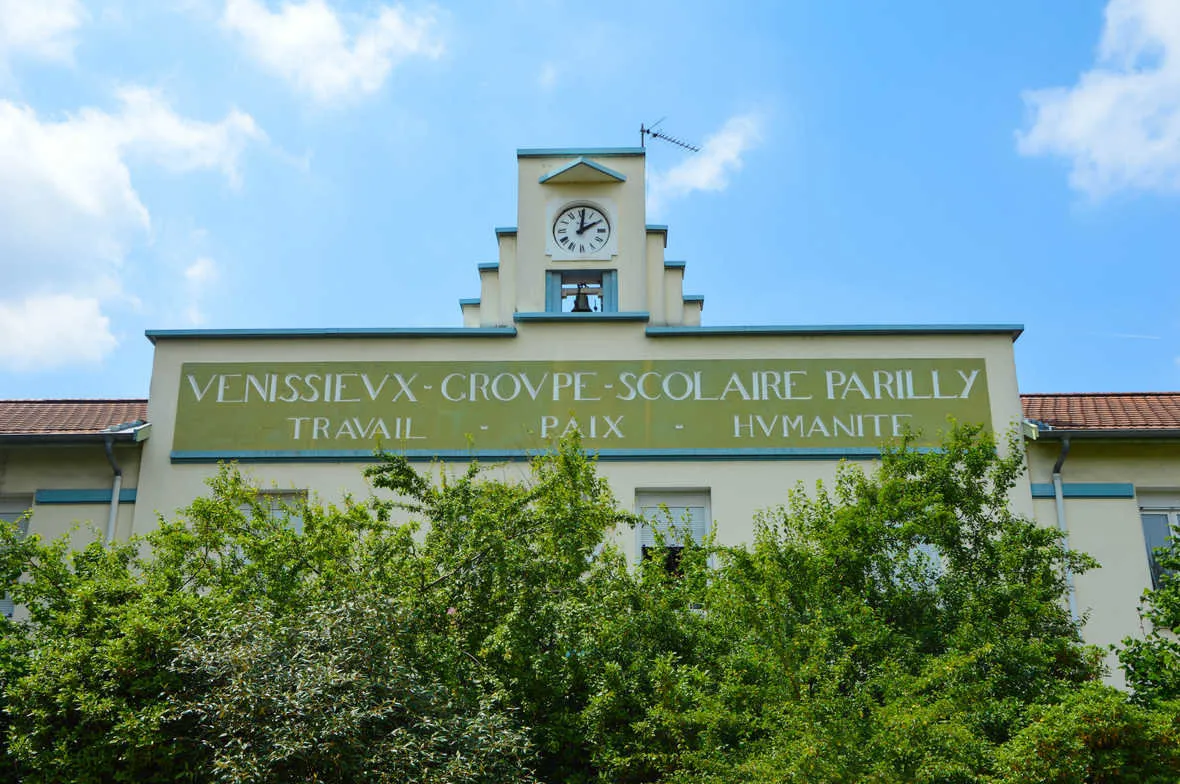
x=581, y=230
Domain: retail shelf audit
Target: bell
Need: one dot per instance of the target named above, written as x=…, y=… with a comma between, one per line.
x=581, y=301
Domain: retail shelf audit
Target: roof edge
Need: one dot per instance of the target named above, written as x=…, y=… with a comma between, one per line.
x=155, y=335
x=582, y=161
x=567, y=317
x=1013, y=330
x=598, y=152
x=121, y=436
x=1100, y=394
x=1113, y=434
x=74, y=400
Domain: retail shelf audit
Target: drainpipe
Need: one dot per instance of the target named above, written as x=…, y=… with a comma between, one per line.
x=1059, y=498
x=116, y=486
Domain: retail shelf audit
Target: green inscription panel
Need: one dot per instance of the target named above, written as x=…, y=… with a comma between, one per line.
x=656, y=406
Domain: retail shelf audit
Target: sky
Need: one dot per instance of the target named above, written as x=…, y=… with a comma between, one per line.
x=326, y=163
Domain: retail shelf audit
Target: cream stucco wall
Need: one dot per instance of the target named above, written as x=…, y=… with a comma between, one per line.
x=739, y=488
x=503, y=302
x=1109, y=529
x=537, y=205
x=660, y=290
x=673, y=299
x=527, y=252
x=1147, y=464
x=83, y=523
x=24, y=470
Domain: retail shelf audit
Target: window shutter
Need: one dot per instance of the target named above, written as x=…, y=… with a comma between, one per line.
x=676, y=515
x=285, y=505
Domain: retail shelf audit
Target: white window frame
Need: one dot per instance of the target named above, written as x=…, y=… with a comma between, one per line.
x=657, y=504
x=1171, y=515
x=281, y=505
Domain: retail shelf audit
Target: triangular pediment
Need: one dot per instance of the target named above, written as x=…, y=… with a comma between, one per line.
x=582, y=170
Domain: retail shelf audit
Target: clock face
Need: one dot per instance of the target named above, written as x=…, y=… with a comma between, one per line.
x=581, y=230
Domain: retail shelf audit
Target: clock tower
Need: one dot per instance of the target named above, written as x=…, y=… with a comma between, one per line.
x=581, y=247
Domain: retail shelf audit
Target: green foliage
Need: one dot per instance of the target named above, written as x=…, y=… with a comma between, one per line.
x=1152, y=663
x=87, y=698
x=199, y=653
x=333, y=696
x=900, y=626
x=1094, y=735
x=499, y=577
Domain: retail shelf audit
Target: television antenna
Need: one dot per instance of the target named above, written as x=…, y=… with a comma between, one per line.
x=651, y=131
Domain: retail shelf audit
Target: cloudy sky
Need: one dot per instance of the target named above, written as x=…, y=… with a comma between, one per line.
x=328, y=163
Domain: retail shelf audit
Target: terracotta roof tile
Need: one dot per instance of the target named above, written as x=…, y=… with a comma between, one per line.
x=66, y=417
x=1105, y=410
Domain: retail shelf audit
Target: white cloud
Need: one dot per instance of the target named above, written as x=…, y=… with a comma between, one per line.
x=1119, y=126
x=710, y=169
x=39, y=28
x=69, y=211
x=54, y=330
x=148, y=126
x=307, y=44
x=199, y=276
x=201, y=272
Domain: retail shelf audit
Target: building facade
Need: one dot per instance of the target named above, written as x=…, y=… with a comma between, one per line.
x=582, y=323
x=69, y=459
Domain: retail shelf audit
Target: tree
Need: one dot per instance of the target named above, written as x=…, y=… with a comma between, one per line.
x=902, y=625
x=1152, y=662
x=1094, y=735
x=336, y=695
x=208, y=650
x=897, y=627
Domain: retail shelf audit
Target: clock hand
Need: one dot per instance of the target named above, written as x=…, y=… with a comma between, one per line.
x=581, y=221
x=588, y=225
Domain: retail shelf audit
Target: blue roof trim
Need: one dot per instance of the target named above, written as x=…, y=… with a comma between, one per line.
x=1085, y=490
x=694, y=297
x=638, y=315
x=474, y=301
x=606, y=455
x=598, y=152
x=1014, y=330
x=488, y=266
x=347, y=332
x=657, y=227
x=101, y=495
x=505, y=231
x=598, y=167
x=674, y=264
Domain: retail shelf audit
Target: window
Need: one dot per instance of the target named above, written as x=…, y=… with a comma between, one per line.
x=582, y=291
x=282, y=505
x=677, y=515
x=1158, y=525
x=14, y=509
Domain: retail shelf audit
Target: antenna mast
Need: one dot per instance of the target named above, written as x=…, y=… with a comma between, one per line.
x=644, y=132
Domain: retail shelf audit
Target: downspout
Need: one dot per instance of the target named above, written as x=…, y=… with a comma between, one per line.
x=116, y=486
x=1059, y=498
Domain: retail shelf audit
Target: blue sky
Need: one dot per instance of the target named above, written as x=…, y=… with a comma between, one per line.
x=250, y=163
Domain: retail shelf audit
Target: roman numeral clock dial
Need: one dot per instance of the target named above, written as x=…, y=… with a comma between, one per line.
x=581, y=230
